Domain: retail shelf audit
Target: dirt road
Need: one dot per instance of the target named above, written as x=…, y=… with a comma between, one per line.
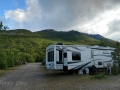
x=34, y=76
x=25, y=77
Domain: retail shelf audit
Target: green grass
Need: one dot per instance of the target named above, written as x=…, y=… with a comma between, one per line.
x=2, y=71
x=99, y=76
x=5, y=70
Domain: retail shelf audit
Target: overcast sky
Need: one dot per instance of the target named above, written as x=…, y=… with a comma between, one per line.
x=89, y=16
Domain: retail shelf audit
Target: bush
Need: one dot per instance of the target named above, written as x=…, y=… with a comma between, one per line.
x=115, y=70
x=3, y=61
x=29, y=58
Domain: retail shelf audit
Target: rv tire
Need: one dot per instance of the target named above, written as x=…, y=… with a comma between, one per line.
x=86, y=70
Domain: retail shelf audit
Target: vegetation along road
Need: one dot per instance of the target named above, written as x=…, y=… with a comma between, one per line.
x=34, y=76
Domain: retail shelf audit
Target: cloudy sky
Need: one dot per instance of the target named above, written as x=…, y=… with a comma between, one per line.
x=89, y=16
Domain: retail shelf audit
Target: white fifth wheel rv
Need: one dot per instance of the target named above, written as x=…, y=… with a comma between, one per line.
x=78, y=58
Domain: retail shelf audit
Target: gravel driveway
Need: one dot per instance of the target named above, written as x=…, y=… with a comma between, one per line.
x=34, y=76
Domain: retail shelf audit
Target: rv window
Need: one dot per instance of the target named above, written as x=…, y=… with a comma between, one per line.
x=99, y=63
x=60, y=55
x=50, y=56
x=65, y=55
x=76, y=56
x=112, y=53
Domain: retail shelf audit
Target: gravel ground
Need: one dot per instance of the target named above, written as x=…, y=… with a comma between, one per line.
x=34, y=76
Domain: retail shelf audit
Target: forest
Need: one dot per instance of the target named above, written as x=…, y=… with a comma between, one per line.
x=21, y=45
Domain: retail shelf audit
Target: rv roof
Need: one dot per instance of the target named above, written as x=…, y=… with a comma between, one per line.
x=87, y=46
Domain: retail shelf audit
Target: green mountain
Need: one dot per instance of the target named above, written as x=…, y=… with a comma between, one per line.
x=70, y=37
x=19, y=32
x=95, y=36
x=74, y=37
x=99, y=37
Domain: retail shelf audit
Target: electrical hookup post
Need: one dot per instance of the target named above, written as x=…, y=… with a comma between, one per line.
x=109, y=68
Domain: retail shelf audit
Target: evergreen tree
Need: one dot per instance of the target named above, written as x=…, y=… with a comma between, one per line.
x=116, y=58
x=102, y=42
x=1, y=25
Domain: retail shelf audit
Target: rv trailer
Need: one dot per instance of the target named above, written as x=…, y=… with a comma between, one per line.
x=78, y=58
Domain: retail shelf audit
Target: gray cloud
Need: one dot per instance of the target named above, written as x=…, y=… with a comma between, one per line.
x=60, y=14
x=114, y=27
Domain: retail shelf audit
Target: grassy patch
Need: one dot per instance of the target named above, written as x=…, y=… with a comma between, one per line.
x=2, y=71
x=5, y=70
x=99, y=76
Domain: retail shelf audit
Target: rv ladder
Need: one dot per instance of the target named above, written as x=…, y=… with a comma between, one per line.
x=94, y=68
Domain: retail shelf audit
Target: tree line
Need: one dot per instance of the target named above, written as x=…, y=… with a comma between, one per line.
x=13, y=50
x=17, y=49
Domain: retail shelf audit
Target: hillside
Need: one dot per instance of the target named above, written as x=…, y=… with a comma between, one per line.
x=95, y=36
x=75, y=37
x=99, y=37
x=72, y=36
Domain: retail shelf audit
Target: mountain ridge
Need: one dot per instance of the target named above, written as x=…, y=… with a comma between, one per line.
x=67, y=36
x=49, y=31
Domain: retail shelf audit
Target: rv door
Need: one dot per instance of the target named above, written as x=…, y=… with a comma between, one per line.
x=65, y=63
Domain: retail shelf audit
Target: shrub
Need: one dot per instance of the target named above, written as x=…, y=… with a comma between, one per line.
x=115, y=70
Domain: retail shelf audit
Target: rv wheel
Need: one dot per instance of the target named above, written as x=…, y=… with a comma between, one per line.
x=76, y=72
x=86, y=70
